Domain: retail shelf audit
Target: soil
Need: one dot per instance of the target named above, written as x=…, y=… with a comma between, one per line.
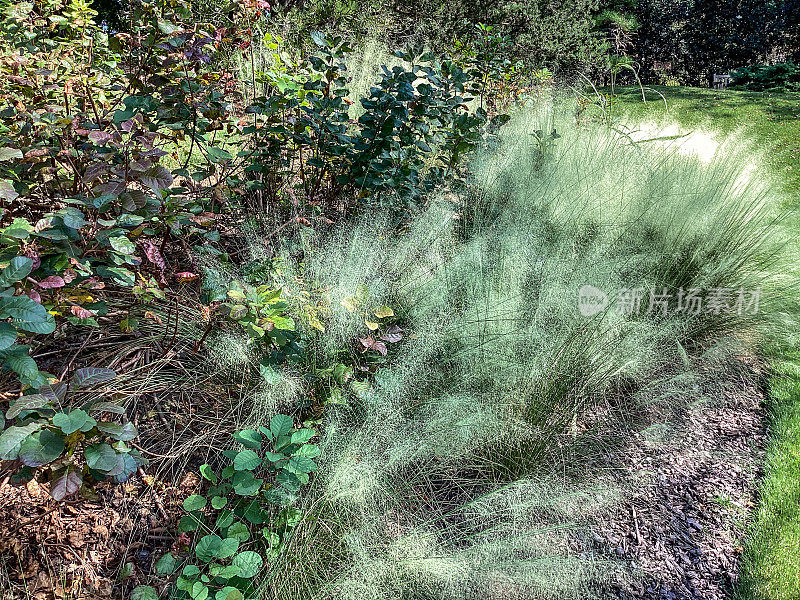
x=88, y=548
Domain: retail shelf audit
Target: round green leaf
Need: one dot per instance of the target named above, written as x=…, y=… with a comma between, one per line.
x=224, y=572
x=308, y=451
x=301, y=436
x=301, y=464
x=8, y=335
x=225, y=518
x=199, y=591
x=288, y=480
x=189, y=523
x=194, y=502
x=254, y=513
x=123, y=433
x=208, y=547
x=73, y=421
x=249, y=438
x=239, y=531
x=41, y=448
x=167, y=564
x=191, y=570
x=246, y=460
x=122, y=244
x=24, y=311
x=144, y=592
x=228, y=547
x=219, y=502
x=23, y=365
x=207, y=472
x=249, y=563
x=101, y=457
x=228, y=593
x=245, y=484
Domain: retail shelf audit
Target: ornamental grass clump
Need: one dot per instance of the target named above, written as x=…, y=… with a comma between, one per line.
x=438, y=482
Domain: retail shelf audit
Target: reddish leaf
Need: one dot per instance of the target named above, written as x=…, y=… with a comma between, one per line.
x=44, y=223
x=153, y=254
x=94, y=283
x=372, y=344
x=81, y=312
x=34, y=295
x=36, y=153
x=186, y=276
x=66, y=484
x=37, y=262
x=157, y=178
x=114, y=188
x=303, y=221
x=141, y=165
x=154, y=317
x=204, y=220
x=69, y=275
x=101, y=138
x=52, y=282
x=393, y=335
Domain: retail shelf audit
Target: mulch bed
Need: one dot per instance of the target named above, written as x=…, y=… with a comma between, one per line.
x=681, y=527
x=88, y=548
x=678, y=530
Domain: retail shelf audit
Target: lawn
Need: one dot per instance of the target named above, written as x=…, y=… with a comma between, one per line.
x=771, y=121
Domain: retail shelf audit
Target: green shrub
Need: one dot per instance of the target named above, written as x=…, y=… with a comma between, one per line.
x=111, y=153
x=89, y=198
x=415, y=126
x=555, y=34
x=245, y=517
x=778, y=77
x=75, y=447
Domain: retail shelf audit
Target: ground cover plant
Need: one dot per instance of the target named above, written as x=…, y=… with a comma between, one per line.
x=279, y=322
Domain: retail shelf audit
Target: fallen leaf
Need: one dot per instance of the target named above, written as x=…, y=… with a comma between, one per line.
x=81, y=312
x=153, y=316
x=185, y=276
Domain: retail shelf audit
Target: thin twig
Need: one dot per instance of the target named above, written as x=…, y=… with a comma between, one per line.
x=74, y=356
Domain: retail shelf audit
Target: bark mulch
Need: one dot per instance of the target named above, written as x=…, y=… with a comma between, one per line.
x=88, y=548
x=682, y=525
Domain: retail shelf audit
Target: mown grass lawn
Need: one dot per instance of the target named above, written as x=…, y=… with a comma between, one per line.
x=771, y=121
